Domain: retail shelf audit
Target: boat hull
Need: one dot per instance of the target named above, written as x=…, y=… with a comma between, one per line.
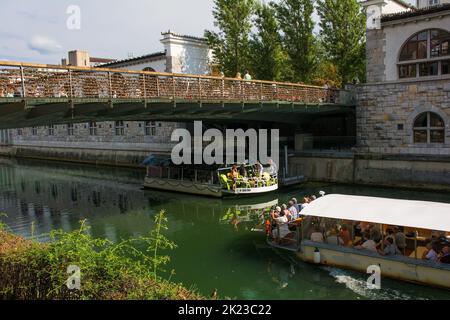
x=399, y=267
x=188, y=187
x=249, y=191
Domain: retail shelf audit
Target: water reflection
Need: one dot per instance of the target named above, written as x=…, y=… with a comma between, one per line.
x=221, y=243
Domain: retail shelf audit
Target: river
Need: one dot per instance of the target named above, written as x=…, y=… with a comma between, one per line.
x=212, y=253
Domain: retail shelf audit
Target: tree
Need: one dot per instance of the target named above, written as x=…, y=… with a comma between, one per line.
x=297, y=25
x=230, y=44
x=268, y=56
x=343, y=26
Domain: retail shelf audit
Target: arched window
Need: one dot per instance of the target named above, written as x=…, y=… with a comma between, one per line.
x=429, y=128
x=432, y=45
x=148, y=69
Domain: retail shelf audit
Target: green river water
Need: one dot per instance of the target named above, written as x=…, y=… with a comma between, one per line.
x=212, y=251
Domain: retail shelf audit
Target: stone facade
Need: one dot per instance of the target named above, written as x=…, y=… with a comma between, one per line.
x=386, y=114
x=388, y=104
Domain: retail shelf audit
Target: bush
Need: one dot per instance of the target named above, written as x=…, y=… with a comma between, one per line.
x=126, y=270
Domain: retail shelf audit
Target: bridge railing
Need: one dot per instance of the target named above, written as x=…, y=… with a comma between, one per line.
x=49, y=81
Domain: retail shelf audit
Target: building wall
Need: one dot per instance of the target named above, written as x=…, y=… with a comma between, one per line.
x=386, y=112
x=426, y=3
x=395, y=35
x=157, y=65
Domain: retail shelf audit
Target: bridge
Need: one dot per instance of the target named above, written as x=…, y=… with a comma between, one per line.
x=37, y=95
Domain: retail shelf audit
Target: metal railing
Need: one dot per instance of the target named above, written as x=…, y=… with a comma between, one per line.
x=27, y=80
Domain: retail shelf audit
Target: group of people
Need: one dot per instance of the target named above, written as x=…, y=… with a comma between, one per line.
x=281, y=218
x=392, y=241
x=250, y=174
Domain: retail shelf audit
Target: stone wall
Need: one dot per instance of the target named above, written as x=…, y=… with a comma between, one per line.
x=375, y=53
x=377, y=170
x=386, y=112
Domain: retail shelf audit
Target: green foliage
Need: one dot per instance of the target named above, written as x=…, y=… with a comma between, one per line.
x=297, y=25
x=230, y=44
x=126, y=270
x=343, y=37
x=268, y=57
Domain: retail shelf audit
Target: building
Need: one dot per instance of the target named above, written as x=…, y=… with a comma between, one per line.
x=403, y=112
x=117, y=142
x=79, y=58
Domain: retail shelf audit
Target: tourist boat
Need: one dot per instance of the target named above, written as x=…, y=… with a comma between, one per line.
x=420, y=221
x=248, y=185
x=203, y=180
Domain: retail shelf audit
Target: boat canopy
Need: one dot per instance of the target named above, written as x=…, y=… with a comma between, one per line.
x=407, y=213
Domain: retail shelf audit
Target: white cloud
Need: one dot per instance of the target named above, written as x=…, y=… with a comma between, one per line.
x=44, y=45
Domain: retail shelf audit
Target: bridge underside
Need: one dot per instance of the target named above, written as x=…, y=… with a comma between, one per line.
x=29, y=112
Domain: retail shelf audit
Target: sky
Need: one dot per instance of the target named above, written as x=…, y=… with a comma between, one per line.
x=44, y=31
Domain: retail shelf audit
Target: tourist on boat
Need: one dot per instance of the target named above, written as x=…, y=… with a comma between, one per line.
x=238, y=76
x=316, y=235
x=247, y=76
x=242, y=170
x=293, y=210
x=296, y=205
x=445, y=255
x=286, y=212
x=234, y=175
x=375, y=234
x=312, y=198
x=281, y=227
x=431, y=254
x=344, y=234
x=259, y=169
x=400, y=239
x=390, y=249
x=273, y=169
x=334, y=238
x=368, y=244
x=390, y=234
x=305, y=203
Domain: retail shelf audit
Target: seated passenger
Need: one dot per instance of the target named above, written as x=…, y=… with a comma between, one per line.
x=242, y=171
x=368, y=244
x=296, y=205
x=286, y=212
x=333, y=238
x=293, y=210
x=400, y=239
x=344, y=234
x=444, y=257
x=316, y=235
x=375, y=234
x=390, y=249
x=259, y=169
x=431, y=253
x=281, y=228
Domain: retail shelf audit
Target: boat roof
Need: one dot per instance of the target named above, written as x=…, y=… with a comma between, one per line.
x=407, y=213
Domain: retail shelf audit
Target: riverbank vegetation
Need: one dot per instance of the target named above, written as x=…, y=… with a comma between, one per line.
x=74, y=265
x=283, y=40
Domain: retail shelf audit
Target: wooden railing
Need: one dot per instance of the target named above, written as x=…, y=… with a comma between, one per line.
x=51, y=81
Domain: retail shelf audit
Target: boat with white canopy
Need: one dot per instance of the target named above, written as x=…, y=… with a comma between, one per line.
x=357, y=232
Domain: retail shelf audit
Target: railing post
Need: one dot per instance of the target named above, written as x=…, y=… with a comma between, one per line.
x=173, y=87
x=70, y=84
x=260, y=92
x=292, y=94
x=199, y=89
x=110, y=85
x=157, y=87
x=145, y=87
x=223, y=89
x=23, y=82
